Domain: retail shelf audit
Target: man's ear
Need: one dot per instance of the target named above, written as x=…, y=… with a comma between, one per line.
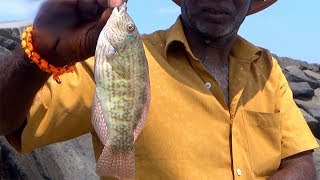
x=178, y=2
x=258, y=5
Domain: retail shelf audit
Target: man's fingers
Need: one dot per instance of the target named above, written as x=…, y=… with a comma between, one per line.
x=110, y=3
x=105, y=16
x=88, y=9
x=178, y=2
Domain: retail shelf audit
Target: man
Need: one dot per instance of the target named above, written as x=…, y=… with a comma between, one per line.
x=221, y=107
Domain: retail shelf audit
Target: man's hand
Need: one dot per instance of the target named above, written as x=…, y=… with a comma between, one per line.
x=178, y=2
x=67, y=31
x=296, y=167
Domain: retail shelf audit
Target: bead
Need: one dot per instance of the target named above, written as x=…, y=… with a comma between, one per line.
x=29, y=38
x=24, y=35
x=29, y=29
x=24, y=44
x=35, y=60
x=28, y=52
x=30, y=47
x=43, y=64
x=35, y=55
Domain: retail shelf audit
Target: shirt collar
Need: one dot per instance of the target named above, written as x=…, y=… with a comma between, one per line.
x=241, y=49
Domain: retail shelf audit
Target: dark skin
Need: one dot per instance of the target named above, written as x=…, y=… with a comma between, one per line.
x=67, y=31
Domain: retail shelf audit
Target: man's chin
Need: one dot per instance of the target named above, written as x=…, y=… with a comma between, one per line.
x=213, y=32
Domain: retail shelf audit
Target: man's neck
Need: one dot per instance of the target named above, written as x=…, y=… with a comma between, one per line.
x=210, y=51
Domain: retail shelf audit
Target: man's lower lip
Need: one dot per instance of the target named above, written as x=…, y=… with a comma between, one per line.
x=216, y=17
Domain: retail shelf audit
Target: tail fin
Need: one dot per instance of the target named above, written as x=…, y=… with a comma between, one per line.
x=119, y=165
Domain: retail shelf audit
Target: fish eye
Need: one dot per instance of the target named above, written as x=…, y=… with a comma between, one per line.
x=131, y=27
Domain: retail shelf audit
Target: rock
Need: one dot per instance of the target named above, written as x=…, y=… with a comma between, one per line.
x=317, y=92
x=312, y=75
x=4, y=51
x=314, y=67
x=316, y=160
x=311, y=107
x=301, y=90
x=13, y=34
x=303, y=65
x=313, y=124
x=294, y=74
x=8, y=43
x=72, y=159
x=285, y=62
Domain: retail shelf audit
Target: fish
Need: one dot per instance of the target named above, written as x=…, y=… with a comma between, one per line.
x=122, y=94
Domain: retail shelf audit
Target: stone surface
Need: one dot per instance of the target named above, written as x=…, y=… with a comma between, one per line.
x=311, y=74
x=7, y=43
x=72, y=159
x=311, y=107
x=317, y=92
x=13, y=34
x=294, y=74
x=316, y=160
x=301, y=90
x=4, y=51
x=313, y=124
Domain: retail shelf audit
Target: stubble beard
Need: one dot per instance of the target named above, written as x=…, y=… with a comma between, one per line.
x=203, y=30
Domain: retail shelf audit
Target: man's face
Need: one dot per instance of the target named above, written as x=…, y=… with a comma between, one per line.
x=214, y=18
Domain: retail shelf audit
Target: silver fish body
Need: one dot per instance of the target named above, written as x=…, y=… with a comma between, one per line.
x=122, y=95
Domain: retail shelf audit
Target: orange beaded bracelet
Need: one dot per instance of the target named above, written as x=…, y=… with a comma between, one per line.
x=42, y=63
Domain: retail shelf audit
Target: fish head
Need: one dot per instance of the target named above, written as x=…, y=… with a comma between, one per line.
x=121, y=31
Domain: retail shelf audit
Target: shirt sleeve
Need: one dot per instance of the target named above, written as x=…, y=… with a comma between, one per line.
x=296, y=135
x=60, y=111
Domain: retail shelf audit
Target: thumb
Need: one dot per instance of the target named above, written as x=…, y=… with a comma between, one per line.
x=93, y=32
x=105, y=16
x=110, y=3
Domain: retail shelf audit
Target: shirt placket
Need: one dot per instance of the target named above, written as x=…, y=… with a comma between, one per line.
x=209, y=82
x=239, y=71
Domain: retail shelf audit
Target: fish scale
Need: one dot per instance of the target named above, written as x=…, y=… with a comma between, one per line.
x=122, y=94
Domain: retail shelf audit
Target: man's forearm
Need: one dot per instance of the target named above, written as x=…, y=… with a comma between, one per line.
x=19, y=83
x=300, y=168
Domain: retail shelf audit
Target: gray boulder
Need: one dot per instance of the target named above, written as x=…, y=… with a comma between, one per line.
x=4, y=51
x=316, y=160
x=8, y=43
x=285, y=62
x=72, y=159
x=313, y=124
x=294, y=74
x=317, y=93
x=303, y=65
x=312, y=74
x=311, y=107
x=11, y=33
x=301, y=90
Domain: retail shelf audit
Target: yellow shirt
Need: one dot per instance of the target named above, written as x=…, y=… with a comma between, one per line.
x=190, y=133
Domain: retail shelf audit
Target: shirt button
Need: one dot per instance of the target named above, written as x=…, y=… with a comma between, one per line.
x=239, y=172
x=208, y=85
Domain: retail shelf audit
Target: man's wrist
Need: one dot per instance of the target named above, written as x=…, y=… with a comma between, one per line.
x=28, y=67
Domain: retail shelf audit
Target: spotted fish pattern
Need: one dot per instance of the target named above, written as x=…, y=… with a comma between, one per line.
x=122, y=94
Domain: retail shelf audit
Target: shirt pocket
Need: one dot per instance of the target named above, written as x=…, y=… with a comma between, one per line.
x=264, y=141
